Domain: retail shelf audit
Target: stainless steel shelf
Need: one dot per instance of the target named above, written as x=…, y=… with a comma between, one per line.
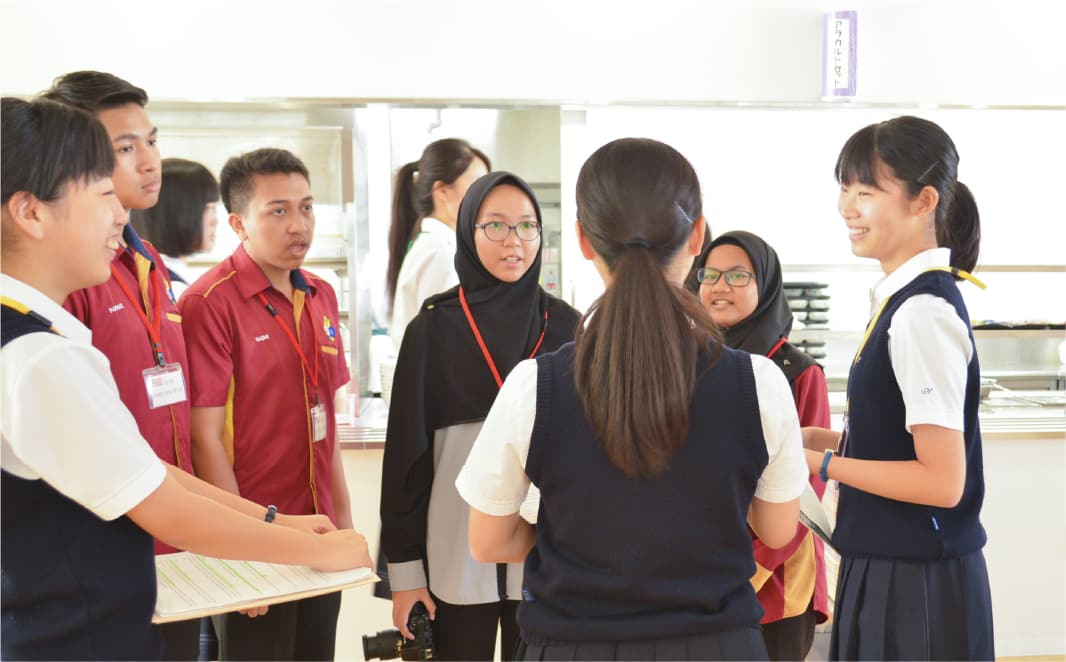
x=322, y=262
x=1022, y=334
x=872, y=267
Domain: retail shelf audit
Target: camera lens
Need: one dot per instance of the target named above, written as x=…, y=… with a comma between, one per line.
x=384, y=645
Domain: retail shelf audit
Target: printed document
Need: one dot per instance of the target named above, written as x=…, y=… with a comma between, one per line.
x=190, y=585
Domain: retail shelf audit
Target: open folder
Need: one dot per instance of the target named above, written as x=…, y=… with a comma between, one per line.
x=190, y=585
x=814, y=517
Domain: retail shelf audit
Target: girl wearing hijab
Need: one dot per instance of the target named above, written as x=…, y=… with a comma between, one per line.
x=453, y=359
x=652, y=444
x=738, y=280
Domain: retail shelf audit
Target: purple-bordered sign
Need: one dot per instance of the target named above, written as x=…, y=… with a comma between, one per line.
x=838, y=54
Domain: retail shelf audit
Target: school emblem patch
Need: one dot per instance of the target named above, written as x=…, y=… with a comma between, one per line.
x=330, y=330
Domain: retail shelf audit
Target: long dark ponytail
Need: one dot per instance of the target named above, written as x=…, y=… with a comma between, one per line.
x=412, y=196
x=920, y=154
x=637, y=347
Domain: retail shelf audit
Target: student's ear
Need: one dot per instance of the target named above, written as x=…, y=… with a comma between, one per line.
x=439, y=188
x=583, y=242
x=27, y=214
x=925, y=202
x=695, y=239
x=236, y=221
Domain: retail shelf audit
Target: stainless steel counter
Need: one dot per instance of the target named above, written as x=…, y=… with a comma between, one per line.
x=1041, y=415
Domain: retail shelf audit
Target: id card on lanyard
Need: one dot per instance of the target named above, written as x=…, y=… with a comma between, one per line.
x=317, y=411
x=164, y=382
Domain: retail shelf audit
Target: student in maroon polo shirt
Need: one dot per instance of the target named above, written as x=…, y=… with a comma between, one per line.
x=267, y=358
x=81, y=493
x=132, y=316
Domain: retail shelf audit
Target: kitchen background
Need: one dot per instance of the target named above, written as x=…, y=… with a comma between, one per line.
x=764, y=169
x=358, y=87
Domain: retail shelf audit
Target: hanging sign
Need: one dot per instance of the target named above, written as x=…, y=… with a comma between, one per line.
x=838, y=54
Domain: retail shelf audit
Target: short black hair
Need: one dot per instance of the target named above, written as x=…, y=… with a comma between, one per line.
x=95, y=91
x=175, y=225
x=45, y=145
x=236, y=178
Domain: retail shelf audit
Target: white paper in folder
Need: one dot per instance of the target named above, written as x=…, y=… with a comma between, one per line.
x=813, y=515
x=190, y=585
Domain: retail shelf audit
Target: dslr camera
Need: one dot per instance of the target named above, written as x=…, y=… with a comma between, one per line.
x=390, y=644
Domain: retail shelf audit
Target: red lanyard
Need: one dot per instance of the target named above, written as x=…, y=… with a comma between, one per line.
x=773, y=350
x=295, y=343
x=154, y=327
x=481, y=341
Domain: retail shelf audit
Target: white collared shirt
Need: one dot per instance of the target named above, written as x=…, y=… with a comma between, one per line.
x=493, y=479
x=428, y=269
x=180, y=268
x=63, y=421
x=929, y=345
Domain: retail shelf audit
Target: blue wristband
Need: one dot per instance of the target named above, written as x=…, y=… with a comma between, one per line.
x=825, y=466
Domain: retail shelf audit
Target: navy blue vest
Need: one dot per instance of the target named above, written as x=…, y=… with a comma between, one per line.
x=623, y=559
x=873, y=526
x=73, y=586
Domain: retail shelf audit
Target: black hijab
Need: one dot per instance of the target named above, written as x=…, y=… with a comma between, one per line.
x=442, y=378
x=772, y=319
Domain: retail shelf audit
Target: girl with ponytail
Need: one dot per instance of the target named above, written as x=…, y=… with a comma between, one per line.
x=652, y=444
x=909, y=460
x=425, y=203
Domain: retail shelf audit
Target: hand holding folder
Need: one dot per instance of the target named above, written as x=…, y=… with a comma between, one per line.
x=190, y=585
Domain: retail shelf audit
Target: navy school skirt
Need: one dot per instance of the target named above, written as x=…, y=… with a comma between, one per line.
x=913, y=610
x=738, y=644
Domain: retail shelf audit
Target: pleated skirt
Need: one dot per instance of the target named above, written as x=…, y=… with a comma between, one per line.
x=913, y=610
x=738, y=644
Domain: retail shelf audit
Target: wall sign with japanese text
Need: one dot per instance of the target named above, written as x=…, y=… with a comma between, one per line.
x=838, y=54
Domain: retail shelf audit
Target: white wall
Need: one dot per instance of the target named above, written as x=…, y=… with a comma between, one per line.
x=771, y=172
x=937, y=51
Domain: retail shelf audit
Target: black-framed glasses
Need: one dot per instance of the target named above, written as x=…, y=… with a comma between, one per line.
x=733, y=277
x=498, y=230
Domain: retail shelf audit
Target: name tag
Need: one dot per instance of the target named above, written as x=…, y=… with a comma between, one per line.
x=165, y=385
x=318, y=422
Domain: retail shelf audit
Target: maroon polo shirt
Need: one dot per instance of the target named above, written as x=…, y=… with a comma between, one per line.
x=242, y=360
x=121, y=335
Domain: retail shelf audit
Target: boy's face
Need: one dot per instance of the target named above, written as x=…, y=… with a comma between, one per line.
x=279, y=222
x=87, y=223
x=137, y=173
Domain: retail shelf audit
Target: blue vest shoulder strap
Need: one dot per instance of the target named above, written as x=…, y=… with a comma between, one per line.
x=15, y=323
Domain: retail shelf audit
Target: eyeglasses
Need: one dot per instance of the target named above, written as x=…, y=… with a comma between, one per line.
x=733, y=277
x=499, y=231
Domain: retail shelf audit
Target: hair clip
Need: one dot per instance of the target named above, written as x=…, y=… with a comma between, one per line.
x=928, y=171
x=684, y=214
x=638, y=242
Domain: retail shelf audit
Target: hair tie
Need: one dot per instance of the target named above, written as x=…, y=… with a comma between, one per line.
x=638, y=242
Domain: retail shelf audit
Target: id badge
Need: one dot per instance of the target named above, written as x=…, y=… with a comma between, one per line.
x=165, y=385
x=318, y=422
